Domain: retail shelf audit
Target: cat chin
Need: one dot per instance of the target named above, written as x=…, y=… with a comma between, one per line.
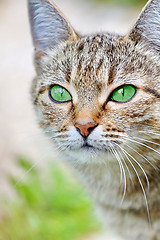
x=89, y=155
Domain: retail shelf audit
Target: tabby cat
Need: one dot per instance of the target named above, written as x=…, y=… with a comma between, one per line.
x=98, y=99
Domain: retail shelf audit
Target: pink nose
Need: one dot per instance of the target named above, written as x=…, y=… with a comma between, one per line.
x=85, y=129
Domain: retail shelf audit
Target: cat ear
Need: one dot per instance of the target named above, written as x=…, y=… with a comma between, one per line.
x=48, y=25
x=147, y=28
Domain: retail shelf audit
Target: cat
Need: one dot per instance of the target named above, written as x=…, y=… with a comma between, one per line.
x=98, y=98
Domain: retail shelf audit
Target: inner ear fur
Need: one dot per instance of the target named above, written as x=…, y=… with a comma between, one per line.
x=49, y=27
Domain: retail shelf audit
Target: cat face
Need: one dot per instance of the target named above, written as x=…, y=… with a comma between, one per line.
x=90, y=120
x=94, y=94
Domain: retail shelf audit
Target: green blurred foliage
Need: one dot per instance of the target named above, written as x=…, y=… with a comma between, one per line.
x=56, y=209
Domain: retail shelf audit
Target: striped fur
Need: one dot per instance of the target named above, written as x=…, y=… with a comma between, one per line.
x=123, y=158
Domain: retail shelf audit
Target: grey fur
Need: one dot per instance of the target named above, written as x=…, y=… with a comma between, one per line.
x=147, y=27
x=48, y=27
x=126, y=140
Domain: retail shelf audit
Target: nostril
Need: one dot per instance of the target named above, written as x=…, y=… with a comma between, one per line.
x=90, y=129
x=78, y=130
x=85, y=129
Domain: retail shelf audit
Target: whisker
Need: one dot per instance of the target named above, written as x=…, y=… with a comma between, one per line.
x=150, y=132
x=142, y=187
x=145, y=140
x=140, y=167
x=141, y=156
x=34, y=165
x=59, y=149
x=124, y=176
x=50, y=138
x=50, y=131
x=119, y=162
x=65, y=146
x=131, y=140
x=126, y=167
x=44, y=138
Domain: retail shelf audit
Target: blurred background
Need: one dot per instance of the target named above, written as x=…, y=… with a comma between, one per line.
x=47, y=203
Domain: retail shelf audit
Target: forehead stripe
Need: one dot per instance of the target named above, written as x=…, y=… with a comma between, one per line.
x=111, y=75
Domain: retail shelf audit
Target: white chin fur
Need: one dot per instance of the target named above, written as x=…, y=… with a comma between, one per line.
x=80, y=154
x=88, y=155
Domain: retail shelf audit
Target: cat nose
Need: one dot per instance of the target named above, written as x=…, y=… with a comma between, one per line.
x=85, y=129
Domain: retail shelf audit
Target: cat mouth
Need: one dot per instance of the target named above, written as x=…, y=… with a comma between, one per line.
x=89, y=148
x=87, y=145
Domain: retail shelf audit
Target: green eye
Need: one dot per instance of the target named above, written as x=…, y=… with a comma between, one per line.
x=60, y=94
x=124, y=93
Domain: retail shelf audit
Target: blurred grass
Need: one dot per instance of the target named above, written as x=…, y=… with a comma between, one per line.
x=54, y=209
x=125, y=2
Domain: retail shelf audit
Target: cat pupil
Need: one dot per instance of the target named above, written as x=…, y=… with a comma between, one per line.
x=123, y=92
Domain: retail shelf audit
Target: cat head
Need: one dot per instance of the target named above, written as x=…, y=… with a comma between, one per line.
x=95, y=93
